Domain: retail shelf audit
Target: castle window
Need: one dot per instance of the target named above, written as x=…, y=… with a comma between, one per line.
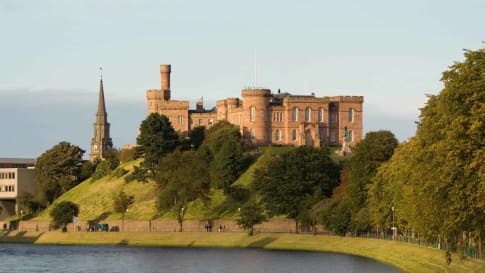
x=308, y=114
x=253, y=134
x=321, y=112
x=252, y=113
x=294, y=135
x=350, y=135
x=322, y=133
x=351, y=114
x=333, y=136
x=294, y=114
x=278, y=135
x=201, y=122
x=210, y=122
x=181, y=120
x=278, y=116
x=333, y=117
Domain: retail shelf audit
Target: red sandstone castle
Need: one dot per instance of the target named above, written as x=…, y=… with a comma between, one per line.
x=268, y=118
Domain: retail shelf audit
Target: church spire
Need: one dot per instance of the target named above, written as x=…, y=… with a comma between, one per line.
x=101, y=143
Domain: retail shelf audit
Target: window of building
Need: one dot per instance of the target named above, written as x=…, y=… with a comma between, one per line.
x=333, y=117
x=181, y=120
x=201, y=122
x=210, y=122
x=333, y=136
x=253, y=134
x=278, y=116
x=294, y=135
x=321, y=131
x=308, y=114
x=350, y=135
x=351, y=114
x=321, y=112
x=278, y=135
x=294, y=114
x=252, y=113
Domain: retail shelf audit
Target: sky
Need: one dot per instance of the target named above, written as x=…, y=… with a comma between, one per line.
x=390, y=52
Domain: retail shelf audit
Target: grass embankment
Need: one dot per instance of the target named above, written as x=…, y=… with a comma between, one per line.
x=95, y=198
x=406, y=257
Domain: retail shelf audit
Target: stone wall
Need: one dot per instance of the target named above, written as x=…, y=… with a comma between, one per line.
x=274, y=225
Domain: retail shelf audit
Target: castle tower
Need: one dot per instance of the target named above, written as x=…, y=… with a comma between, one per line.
x=101, y=143
x=165, y=70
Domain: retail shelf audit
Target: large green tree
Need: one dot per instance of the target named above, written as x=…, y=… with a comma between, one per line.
x=436, y=179
x=58, y=170
x=227, y=166
x=290, y=179
x=63, y=213
x=250, y=215
x=157, y=138
x=121, y=203
x=182, y=177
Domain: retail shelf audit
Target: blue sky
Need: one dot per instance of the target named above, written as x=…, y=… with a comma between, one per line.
x=390, y=52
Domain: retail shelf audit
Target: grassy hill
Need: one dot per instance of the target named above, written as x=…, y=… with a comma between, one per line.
x=95, y=197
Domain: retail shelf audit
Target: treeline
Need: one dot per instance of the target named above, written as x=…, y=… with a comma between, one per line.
x=434, y=183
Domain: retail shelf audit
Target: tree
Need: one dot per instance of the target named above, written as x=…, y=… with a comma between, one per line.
x=157, y=138
x=293, y=177
x=219, y=134
x=436, y=179
x=196, y=136
x=182, y=177
x=63, y=214
x=121, y=203
x=227, y=166
x=250, y=215
x=58, y=170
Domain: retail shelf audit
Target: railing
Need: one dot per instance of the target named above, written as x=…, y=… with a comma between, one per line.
x=468, y=251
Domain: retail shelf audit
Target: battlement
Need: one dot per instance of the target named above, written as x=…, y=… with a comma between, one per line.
x=256, y=92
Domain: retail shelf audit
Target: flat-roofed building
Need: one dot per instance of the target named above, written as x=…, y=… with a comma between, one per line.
x=17, y=175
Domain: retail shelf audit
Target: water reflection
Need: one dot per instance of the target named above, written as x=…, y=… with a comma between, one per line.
x=103, y=259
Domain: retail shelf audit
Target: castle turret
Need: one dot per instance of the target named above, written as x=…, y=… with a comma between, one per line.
x=165, y=70
x=101, y=143
x=255, y=111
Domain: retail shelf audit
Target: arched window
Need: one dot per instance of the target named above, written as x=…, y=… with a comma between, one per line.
x=278, y=135
x=294, y=135
x=308, y=114
x=252, y=113
x=351, y=114
x=321, y=112
x=350, y=135
x=253, y=134
x=294, y=114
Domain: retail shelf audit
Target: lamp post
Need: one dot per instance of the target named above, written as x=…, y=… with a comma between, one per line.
x=393, y=227
x=21, y=217
x=181, y=218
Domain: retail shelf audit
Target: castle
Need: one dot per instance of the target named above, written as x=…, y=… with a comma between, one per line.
x=267, y=118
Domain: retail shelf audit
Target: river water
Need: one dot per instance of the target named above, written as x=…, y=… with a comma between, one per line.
x=121, y=259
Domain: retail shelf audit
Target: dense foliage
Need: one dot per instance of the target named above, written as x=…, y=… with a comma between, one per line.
x=436, y=180
x=250, y=214
x=63, y=214
x=58, y=170
x=182, y=177
x=157, y=138
x=291, y=179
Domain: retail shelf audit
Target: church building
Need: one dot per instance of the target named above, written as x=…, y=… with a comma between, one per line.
x=101, y=143
x=267, y=118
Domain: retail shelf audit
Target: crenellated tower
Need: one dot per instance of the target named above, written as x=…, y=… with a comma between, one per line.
x=101, y=143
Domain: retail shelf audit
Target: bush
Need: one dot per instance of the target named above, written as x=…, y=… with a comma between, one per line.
x=63, y=213
x=103, y=169
x=119, y=172
x=139, y=174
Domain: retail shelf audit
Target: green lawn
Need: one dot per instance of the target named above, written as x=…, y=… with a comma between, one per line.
x=406, y=257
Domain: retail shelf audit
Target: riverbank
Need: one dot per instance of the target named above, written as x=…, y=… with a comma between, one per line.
x=406, y=257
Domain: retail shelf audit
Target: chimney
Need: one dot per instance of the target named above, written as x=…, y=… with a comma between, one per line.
x=165, y=70
x=199, y=104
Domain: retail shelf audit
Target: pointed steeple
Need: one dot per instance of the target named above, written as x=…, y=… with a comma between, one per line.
x=101, y=143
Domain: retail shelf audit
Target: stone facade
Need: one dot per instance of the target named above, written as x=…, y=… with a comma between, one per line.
x=266, y=118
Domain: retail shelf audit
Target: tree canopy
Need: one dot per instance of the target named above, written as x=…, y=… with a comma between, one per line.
x=157, y=138
x=294, y=177
x=63, y=214
x=58, y=170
